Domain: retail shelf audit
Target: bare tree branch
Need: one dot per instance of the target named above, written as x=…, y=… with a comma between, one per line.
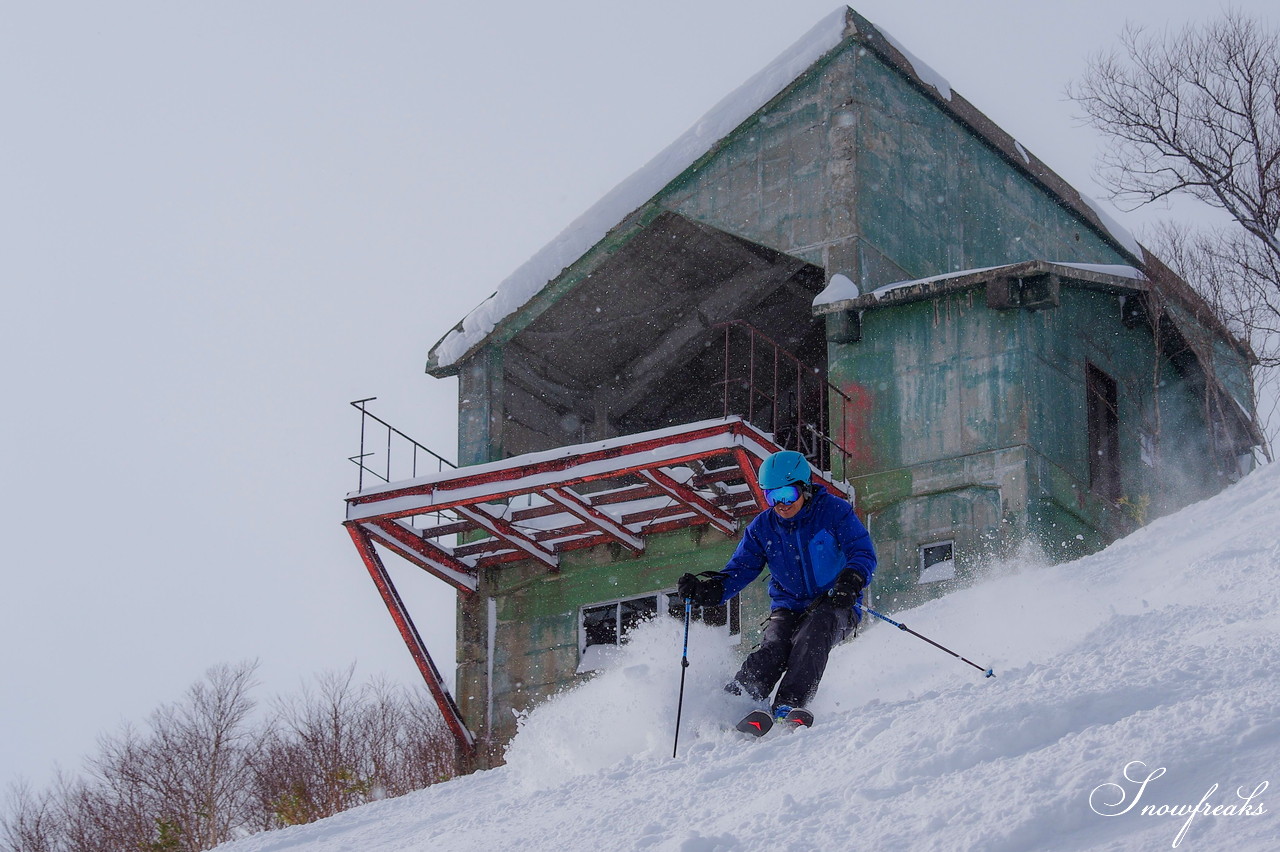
x=1196, y=112
x=205, y=770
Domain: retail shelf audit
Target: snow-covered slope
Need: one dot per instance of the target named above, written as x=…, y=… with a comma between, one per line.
x=1155, y=659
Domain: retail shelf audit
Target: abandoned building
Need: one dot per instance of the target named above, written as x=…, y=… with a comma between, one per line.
x=844, y=257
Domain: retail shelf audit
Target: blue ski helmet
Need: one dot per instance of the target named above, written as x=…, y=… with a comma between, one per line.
x=785, y=468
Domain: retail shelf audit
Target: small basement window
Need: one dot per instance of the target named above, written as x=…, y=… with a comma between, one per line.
x=937, y=562
x=605, y=626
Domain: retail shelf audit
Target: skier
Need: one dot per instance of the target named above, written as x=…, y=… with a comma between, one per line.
x=820, y=557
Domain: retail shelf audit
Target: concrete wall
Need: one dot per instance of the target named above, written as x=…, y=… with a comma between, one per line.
x=975, y=429
x=1165, y=455
x=857, y=171
x=941, y=441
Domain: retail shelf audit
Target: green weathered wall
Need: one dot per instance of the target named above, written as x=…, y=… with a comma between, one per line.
x=954, y=369
x=933, y=198
x=856, y=170
x=536, y=636
x=480, y=413
x=1158, y=406
x=939, y=445
x=974, y=427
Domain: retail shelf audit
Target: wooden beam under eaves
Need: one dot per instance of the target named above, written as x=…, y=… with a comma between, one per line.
x=747, y=287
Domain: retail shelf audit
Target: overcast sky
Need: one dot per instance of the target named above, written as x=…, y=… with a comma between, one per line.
x=221, y=222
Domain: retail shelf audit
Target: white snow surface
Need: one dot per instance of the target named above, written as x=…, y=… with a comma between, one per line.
x=627, y=197
x=1116, y=269
x=926, y=74
x=1118, y=231
x=838, y=289
x=1153, y=660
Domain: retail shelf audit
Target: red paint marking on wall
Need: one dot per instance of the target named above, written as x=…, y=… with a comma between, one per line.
x=855, y=430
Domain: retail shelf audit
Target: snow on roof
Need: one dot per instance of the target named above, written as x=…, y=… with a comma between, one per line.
x=547, y=468
x=1118, y=231
x=879, y=292
x=835, y=293
x=556, y=454
x=1119, y=270
x=1116, y=269
x=838, y=289
x=926, y=74
x=591, y=227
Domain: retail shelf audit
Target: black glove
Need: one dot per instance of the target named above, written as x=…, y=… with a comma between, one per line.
x=706, y=592
x=845, y=591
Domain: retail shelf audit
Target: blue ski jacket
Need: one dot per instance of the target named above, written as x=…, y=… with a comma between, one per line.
x=805, y=554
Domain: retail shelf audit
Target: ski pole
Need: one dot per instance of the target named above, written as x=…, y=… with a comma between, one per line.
x=684, y=664
x=900, y=626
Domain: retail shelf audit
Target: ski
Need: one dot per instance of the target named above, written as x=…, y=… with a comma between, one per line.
x=756, y=723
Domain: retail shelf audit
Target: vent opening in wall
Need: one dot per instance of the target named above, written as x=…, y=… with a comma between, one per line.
x=937, y=562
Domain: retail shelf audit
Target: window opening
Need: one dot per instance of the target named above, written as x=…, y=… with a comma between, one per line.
x=600, y=625
x=937, y=562
x=1104, y=433
x=726, y=615
x=606, y=625
x=632, y=612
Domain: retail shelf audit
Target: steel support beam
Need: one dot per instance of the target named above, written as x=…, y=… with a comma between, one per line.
x=750, y=465
x=580, y=508
x=719, y=519
x=506, y=530
x=413, y=640
x=424, y=553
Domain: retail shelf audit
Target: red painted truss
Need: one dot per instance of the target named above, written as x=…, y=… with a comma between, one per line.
x=537, y=506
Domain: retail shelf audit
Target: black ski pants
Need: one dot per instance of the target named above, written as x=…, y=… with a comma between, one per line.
x=794, y=647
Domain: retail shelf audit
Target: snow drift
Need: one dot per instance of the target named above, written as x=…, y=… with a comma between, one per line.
x=1136, y=693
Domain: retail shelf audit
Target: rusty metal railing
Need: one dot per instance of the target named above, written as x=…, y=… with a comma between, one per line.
x=762, y=382
x=386, y=452
x=775, y=391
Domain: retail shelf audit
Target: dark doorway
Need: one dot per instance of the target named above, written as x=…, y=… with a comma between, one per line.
x=1104, y=433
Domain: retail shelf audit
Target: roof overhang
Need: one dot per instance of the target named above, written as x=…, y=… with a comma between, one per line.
x=615, y=338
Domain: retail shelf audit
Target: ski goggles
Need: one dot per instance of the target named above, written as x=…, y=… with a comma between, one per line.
x=786, y=495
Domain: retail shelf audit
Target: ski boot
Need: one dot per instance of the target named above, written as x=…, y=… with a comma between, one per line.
x=791, y=718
